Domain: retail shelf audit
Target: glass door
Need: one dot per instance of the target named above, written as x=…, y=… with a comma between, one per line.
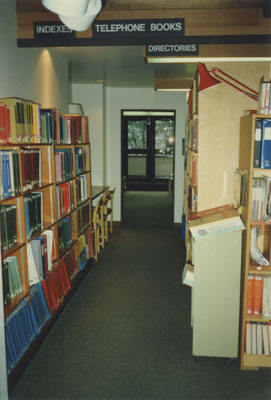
x=148, y=151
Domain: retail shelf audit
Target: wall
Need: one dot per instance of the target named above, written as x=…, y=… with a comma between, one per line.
x=141, y=98
x=220, y=109
x=35, y=74
x=92, y=99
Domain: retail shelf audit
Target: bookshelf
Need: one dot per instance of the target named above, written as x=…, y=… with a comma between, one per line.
x=251, y=358
x=191, y=161
x=45, y=211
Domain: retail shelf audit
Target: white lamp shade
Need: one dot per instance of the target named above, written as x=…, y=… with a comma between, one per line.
x=72, y=8
x=83, y=22
x=77, y=23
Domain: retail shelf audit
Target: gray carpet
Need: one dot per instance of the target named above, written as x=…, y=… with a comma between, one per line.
x=147, y=208
x=125, y=334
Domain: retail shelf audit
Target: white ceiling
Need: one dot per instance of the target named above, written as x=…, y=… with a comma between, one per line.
x=119, y=66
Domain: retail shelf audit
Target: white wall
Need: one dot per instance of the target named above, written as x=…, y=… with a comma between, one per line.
x=142, y=98
x=34, y=74
x=92, y=99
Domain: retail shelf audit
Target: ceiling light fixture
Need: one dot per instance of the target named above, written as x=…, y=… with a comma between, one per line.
x=211, y=77
x=77, y=15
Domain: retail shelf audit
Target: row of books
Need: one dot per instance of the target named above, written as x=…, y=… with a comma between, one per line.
x=23, y=324
x=22, y=121
x=40, y=256
x=83, y=217
x=259, y=296
x=264, y=97
x=256, y=255
x=66, y=231
x=258, y=338
x=63, y=164
x=8, y=222
x=261, y=199
x=262, y=144
x=82, y=186
x=10, y=183
x=80, y=160
x=64, y=198
x=33, y=210
x=192, y=135
x=56, y=285
x=31, y=168
x=83, y=251
x=12, y=285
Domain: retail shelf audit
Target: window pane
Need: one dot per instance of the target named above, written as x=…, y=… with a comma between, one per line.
x=137, y=134
x=137, y=165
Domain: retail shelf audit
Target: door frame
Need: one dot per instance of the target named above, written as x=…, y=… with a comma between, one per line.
x=144, y=113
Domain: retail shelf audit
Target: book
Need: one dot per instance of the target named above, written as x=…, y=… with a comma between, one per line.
x=250, y=294
x=266, y=346
x=266, y=144
x=248, y=344
x=259, y=339
x=257, y=143
x=258, y=294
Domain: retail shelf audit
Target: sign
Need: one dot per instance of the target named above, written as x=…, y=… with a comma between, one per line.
x=54, y=31
x=172, y=50
x=169, y=29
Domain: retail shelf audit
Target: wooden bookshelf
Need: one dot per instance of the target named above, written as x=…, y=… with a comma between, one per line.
x=246, y=162
x=40, y=177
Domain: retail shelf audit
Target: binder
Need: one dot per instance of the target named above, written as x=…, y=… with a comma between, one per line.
x=266, y=144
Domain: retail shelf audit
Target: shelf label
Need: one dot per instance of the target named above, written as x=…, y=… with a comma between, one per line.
x=171, y=49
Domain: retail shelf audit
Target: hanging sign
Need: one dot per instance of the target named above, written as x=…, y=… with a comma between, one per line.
x=171, y=49
x=138, y=28
x=52, y=30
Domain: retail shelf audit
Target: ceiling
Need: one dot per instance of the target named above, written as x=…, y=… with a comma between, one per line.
x=124, y=66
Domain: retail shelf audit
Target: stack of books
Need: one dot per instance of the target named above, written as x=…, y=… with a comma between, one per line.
x=264, y=97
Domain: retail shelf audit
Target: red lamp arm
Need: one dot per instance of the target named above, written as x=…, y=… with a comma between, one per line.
x=253, y=95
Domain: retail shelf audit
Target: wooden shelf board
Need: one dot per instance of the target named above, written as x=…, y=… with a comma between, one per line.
x=256, y=361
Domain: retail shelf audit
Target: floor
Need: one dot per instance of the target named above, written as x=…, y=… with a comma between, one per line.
x=126, y=335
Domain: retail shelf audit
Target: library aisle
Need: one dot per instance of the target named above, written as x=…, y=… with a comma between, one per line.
x=125, y=334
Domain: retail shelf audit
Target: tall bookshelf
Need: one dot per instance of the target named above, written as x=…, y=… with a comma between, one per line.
x=191, y=161
x=45, y=202
x=249, y=267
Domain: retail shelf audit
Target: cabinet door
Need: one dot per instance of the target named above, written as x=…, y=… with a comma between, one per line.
x=216, y=295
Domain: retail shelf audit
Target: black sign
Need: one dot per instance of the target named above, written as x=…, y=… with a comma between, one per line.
x=139, y=28
x=171, y=49
x=53, y=31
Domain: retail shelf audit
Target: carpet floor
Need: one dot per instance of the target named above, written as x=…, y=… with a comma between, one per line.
x=126, y=335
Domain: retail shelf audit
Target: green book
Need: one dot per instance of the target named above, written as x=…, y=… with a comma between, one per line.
x=5, y=276
x=4, y=230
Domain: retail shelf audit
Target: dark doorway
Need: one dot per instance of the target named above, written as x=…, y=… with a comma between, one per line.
x=148, y=143
x=148, y=147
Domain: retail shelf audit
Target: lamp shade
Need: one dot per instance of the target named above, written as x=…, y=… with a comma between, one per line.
x=72, y=8
x=206, y=80
x=82, y=22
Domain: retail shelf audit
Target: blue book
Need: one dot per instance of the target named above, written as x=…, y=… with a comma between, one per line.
x=7, y=171
x=27, y=221
x=4, y=175
x=266, y=144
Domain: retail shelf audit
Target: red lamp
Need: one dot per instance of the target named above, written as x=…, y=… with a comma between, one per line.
x=207, y=81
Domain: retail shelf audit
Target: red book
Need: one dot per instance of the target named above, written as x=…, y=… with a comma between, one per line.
x=8, y=132
x=2, y=127
x=258, y=295
x=250, y=294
